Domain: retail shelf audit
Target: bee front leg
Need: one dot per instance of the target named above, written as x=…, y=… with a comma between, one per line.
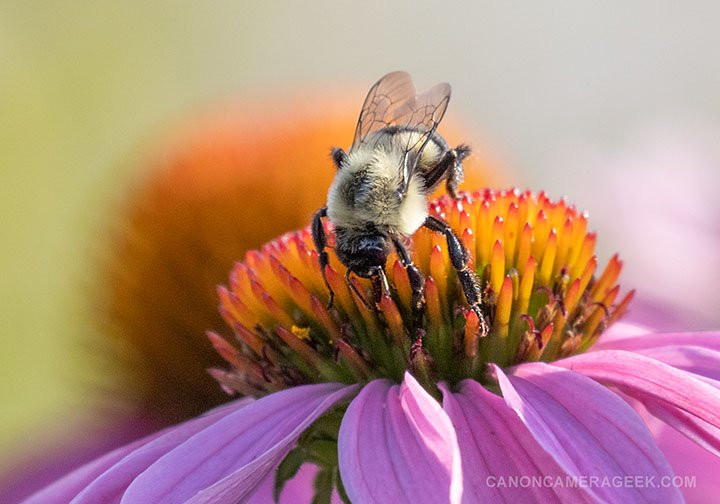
x=468, y=279
x=354, y=288
x=320, y=240
x=381, y=286
x=417, y=282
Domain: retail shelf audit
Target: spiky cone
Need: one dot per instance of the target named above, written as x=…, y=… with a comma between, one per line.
x=542, y=301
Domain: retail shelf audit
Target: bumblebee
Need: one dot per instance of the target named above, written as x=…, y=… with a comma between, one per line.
x=379, y=195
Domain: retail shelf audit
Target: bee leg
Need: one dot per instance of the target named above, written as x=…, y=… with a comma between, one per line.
x=355, y=289
x=455, y=173
x=417, y=282
x=381, y=286
x=468, y=279
x=450, y=168
x=320, y=240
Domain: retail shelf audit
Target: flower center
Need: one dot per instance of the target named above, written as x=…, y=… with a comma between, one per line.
x=541, y=297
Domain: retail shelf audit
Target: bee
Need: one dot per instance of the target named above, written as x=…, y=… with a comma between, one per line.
x=378, y=197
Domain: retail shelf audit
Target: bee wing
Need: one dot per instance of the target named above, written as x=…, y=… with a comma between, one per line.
x=422, y=113
x=384, y=101
x=392, y=102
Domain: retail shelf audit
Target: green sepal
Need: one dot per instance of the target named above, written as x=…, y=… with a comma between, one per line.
x=317, y=445
x=324, y=485
x=287, y=470
x=323, y=452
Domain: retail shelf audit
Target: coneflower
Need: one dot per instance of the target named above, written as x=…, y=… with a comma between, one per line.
x=371, y=403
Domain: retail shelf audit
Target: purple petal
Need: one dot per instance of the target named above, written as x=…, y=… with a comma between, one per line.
x=229, y=459
x=243, y=482
x=64, y=445
x=622, y=330
x=590, y=431
x=497, y=447
x=655, y=315
x=703, y=362
x=697, y=467
x=676, y=397
x=66, y=488
x=397, y=445
x=633, y=341
x=110, y=486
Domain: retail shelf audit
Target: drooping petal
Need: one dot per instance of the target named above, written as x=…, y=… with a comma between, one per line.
x=696, y=469
x=634, y=341
x=226, y=461
x=110, y=486
x=621, y=330
x=497, y=449
x=64, y=489
x=68, y=487
x=396, y=444
x=702, y=362
x=652, y=315
x=676, y=397
x=590, y=431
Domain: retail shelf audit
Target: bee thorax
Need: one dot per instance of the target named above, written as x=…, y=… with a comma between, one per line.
x=371, y=196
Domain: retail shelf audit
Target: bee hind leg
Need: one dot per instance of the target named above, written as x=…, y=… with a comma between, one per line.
x=468, y=279
x=450, y=168
x=320, y=240
x=456, y=174
x=417, y=282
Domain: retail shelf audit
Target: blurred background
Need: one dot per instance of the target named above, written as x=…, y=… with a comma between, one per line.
x=614, y=105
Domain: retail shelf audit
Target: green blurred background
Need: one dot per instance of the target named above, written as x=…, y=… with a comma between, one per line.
x=85, y=87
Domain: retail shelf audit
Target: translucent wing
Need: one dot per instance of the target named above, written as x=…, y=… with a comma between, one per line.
x=392, y=102
x=422, y=114
x=384, y=100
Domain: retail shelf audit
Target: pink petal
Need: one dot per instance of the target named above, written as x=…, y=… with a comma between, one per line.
x=622, y=330
x=697, y=467
x=110, y=486
x=66, y=488
x=676, y=397
x=64, y=445
x=654, y=315
x=632, y=341
x=702, y=362
x=397, y=445
x=590, y=431
x=496, y=446
x=228, y=460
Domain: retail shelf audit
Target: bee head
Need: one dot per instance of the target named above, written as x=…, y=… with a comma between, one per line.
x=362, y=252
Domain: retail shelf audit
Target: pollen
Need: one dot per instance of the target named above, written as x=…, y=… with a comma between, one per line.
x=542, y=299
